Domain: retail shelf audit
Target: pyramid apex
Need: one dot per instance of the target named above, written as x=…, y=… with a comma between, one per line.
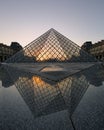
x=52, y=29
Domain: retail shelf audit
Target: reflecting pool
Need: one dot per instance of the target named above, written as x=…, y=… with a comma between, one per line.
x=47, y=97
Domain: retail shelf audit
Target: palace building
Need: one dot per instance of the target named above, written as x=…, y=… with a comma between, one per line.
x=8, y=51
x=5, y=52
x=97, y=49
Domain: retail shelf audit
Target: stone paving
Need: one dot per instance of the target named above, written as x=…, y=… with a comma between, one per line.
x=53, y=71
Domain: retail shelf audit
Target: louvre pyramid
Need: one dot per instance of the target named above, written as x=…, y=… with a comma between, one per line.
x=51, y=47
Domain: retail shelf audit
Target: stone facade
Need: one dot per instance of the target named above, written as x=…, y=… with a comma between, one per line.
x=5, y=52
x=97, y=49
x=8, y=51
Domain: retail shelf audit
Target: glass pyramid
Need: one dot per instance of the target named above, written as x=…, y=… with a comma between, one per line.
x=51, y=47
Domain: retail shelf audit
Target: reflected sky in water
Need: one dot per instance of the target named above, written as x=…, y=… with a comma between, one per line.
x=35, y=102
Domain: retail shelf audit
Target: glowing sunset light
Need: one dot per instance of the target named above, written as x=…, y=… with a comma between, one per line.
x=51, y=50
x=38, y=81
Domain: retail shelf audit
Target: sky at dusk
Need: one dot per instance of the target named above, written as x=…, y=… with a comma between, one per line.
x=25, y=20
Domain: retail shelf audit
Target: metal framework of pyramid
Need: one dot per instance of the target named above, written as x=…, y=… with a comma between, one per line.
x=44, y=98
x=51, y=47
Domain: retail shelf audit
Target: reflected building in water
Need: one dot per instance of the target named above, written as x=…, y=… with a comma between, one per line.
x=45, y=96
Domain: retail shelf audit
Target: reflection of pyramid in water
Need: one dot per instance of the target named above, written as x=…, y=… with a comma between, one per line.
x=51, y=47
x=44, y=98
